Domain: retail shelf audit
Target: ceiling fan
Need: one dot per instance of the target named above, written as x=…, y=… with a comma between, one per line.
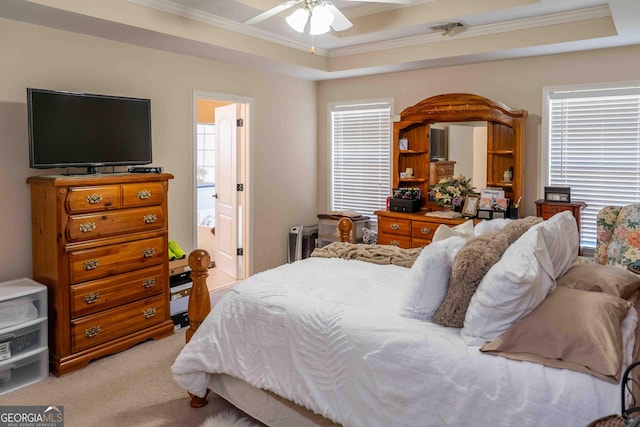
x=322, y=15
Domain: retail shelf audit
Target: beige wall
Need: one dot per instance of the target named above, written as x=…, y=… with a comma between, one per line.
x=283, y=142
x=517, y=83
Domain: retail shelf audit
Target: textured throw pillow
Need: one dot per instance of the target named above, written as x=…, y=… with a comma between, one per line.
x=429, y=278
x=510, y=290
x=518, y=227
x=601, y=278
x=469, y=266
x=560, y=233
x=571, y=329
x=464, y=230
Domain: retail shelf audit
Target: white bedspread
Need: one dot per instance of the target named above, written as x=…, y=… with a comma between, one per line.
x=324, y=333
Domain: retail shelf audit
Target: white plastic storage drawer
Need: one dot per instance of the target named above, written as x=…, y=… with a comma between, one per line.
x=23, y=338
x=22, y=370
x=21, y=301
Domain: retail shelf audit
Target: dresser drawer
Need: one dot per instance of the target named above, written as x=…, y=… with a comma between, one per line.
x=146, y=194
x=93, y=199
x=110, y=260
x=92, y=226
x=394, y=240
x=92, y=297
x=399, y=226
x=550, y=210
x=423, y=229
x=99, y=328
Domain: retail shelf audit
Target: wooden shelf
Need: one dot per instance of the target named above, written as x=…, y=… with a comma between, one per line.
x=500, y=184
x=413, y=151
x=503, y=152
x=417, y=180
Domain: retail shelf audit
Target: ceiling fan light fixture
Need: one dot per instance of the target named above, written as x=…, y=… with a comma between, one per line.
x=321, y=20
x=298, y=19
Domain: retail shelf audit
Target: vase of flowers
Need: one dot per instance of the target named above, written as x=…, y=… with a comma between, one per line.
x=450, y=193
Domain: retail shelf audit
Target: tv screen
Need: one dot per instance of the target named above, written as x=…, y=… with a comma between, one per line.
x=68, y=129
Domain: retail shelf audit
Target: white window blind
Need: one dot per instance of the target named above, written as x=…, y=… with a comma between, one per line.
x=594, y=147
x=360, y=157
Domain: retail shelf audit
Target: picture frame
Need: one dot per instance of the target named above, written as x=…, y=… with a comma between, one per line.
x=403, y=144
x=470, y=207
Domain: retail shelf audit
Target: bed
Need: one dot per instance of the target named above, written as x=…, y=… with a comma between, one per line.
x=344, y=340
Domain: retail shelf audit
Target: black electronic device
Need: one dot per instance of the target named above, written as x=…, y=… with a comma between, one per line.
x=145, y=169
x=69, y=129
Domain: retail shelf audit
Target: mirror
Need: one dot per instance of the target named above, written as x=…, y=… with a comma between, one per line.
x=466, y=144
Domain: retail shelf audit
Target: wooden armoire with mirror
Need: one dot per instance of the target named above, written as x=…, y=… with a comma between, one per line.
x=505, y=129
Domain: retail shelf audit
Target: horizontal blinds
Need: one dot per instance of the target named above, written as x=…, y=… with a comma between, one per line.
x=594, y=147
x=360, y=157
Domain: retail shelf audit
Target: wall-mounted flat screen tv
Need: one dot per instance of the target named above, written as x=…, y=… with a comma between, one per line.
x=68, y=129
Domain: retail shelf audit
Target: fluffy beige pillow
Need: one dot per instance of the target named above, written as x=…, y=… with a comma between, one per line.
x=470, y=265
x=572, y=329
x=601, y=278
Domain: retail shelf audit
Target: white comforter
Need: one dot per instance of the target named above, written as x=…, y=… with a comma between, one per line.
x=324, y=333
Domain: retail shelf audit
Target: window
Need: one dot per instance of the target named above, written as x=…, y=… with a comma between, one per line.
x=206, y=172
x=360, y=157
x=594, y=147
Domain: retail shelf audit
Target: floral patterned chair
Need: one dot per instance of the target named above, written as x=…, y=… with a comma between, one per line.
x=618, y=240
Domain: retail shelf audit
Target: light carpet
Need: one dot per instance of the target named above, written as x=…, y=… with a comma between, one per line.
x=131, y=388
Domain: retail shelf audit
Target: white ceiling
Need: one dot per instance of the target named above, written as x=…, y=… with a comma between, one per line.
x=384, y=37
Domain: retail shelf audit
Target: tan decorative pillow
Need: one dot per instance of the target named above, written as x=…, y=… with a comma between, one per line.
x=517, y=228
x=572, y=329
x=469, y=266
x=601, y=278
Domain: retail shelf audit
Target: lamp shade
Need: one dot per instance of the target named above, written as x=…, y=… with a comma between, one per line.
x=321, y=20
x=298, y=19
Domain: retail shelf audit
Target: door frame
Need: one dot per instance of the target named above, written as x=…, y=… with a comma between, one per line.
x=245, y=162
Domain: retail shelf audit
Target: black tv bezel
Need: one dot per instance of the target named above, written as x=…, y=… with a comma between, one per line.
x=91, y=166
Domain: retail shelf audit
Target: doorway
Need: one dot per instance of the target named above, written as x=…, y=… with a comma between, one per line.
x=221, y=177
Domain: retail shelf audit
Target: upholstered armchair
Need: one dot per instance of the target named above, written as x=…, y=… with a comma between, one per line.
x=618, y=239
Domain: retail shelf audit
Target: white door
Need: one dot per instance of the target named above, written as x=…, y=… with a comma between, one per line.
x=227, y=137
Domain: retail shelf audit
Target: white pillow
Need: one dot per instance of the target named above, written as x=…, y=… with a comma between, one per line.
x=429, y=279
x=464, y=230
x=510, y=290
x=560, y=234
x=487, y=225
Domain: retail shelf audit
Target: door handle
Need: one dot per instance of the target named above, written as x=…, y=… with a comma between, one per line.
x=215, y=196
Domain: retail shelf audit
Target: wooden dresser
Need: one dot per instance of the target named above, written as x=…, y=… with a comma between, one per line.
x=410, y=230
x=100, y=246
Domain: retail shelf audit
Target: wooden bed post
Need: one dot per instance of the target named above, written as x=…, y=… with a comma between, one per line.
x=199, y=301
x=345, y=225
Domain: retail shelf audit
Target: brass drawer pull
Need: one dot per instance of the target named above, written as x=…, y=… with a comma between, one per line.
x=144, y=194
x=395, y=243
x=94, y=199
x=149, y=313
x=92, y=331
x=149, y=283
x=90, y=264
x=149, y=219
x=92, y=297
x=148, y=252
x=87, y=227
x=425, y=230
x=395, y=226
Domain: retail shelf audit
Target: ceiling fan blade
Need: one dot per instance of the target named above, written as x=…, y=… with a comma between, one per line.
x=271, y=12
x=340, y=22
x=386, y=1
